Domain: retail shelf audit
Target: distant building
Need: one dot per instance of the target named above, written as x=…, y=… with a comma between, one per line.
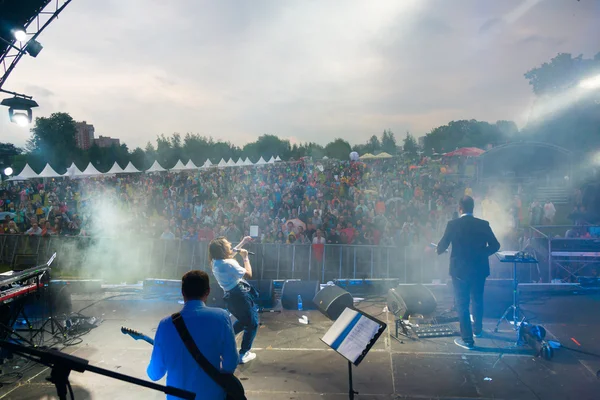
x=84, y=138
x=105, y=141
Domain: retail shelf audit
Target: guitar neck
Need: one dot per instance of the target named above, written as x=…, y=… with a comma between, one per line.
x=148, y=340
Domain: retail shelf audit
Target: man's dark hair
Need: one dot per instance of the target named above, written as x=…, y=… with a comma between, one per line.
x=195, y=284
x=467, y=204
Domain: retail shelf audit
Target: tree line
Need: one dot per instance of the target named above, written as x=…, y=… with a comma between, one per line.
x=575, y=126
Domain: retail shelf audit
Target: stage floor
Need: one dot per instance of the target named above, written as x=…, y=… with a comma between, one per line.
x=293, y=363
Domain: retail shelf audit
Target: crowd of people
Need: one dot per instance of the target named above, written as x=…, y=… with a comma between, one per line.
x=385, y=202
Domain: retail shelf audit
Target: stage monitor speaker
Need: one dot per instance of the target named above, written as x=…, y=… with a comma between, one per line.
x=332, y=301
x=60, y=299
x=306, y=289
x=406, y=300
x=265, y=292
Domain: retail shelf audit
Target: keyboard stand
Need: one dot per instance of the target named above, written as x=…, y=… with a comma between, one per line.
x=518, y=317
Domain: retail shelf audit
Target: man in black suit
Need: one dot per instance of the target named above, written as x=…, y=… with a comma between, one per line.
x=473, y=242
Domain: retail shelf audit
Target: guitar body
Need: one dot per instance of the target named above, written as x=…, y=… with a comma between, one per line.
x=232, y=385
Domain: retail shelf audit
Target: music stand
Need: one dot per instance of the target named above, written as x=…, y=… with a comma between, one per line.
x=352, y=335
x=518, y=316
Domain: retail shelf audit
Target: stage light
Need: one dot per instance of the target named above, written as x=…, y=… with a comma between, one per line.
x=20, y=118
x=590, y=83
x=8, y=171
x=19, y=110
x=33, y=48
x=20, y=34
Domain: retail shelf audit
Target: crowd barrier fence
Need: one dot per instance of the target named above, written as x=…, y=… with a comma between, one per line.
x=130, y=259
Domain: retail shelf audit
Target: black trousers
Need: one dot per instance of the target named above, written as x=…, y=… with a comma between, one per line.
x=469, y=291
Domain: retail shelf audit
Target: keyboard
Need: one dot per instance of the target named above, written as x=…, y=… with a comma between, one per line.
x=13, y=293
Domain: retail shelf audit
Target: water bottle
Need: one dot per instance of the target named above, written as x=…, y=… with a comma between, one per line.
x=299, y=303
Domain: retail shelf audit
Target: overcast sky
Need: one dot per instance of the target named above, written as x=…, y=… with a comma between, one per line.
x=307, y=70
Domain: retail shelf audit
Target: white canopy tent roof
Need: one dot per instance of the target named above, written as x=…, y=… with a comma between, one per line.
x=207, y=164
x=239, y=162
x=261, y=161
x=49, y=172
x=277, y=158
x=131, y=169
x=231, y=163
x=115, y=169
x=248, y=162
x=90, y=170
x=178, y=166
x=222, y=163
x=73, y=171
x=27, y=173
x=156, y=167
x=271, y=160
x=190, y=165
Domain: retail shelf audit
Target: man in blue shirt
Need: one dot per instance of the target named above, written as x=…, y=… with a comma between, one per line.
x=212, y=332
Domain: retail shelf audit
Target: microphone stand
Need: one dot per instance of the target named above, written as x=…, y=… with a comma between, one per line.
x=62, y=364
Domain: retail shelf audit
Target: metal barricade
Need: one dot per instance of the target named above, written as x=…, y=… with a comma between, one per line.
x=131, y=258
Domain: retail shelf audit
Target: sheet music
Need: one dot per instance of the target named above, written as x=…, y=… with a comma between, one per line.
x=351, y=334
x=339, y=325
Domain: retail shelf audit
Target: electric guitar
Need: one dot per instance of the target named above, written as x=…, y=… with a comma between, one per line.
x=227, y=381
x=137, y=335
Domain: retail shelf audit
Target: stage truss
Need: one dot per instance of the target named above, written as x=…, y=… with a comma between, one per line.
x=573, y=263
x=34, y=26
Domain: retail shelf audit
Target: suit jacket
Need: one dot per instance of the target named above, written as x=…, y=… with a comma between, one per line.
x=473, y=242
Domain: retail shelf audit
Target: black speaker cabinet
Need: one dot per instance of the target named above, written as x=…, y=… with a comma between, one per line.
x=265, y=292
x=406, y=300
x=332, y=301
x=306, y=289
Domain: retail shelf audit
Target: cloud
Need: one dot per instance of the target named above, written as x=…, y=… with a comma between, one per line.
x=491, y=25
x=310, y=71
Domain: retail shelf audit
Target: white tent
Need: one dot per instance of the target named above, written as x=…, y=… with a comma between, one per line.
x=239, y=162
x=271, y=160
x=131, y=169
x=73, y=171
x=231, y=163
x=207, y=164
x=178, y=166
x=248, y=162
x=277, y=158
x=27, y=173
x=190, y=165
x=222, y=163
x=115, y=169
x=156, y=167
x=261, y=161
x=90, y=170
x=49, y=172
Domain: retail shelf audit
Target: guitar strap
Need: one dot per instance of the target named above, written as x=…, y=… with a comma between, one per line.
x=206, y=366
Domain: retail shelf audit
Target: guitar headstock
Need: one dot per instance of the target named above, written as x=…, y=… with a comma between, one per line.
x=133, y=333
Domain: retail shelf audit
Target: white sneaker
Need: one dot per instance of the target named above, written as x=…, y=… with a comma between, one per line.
x=246, y=358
